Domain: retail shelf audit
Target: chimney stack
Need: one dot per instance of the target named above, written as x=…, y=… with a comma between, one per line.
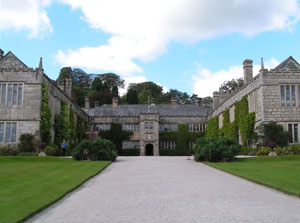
x=173, y=103
x=248, y=71
x=115, y=102
x=199, y=103
x=1, y=53
x=216, y=99
x=87, y=103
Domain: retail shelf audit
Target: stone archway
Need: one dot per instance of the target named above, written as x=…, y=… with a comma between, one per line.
x=149, y=150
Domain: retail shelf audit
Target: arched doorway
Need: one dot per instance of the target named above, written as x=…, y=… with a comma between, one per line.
x=149, y=150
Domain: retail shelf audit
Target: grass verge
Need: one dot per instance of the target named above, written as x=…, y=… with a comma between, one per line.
x=29, y=184
x=281, y=172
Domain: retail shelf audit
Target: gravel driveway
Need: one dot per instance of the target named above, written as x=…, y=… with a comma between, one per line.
x=170, y=189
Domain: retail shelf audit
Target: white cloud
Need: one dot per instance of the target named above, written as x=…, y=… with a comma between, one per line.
x=206, y=82
x=25, y=15
x=142, y=29
x=131, y=79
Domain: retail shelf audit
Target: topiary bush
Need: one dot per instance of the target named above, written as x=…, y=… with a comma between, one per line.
x=8, y=151
x=26, y=143
x=100, y=149
x=263, y=151
x=216, y=149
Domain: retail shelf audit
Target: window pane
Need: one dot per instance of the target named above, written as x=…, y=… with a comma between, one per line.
x=290, y=133
x=151, y=125
x=8, y=131
x=9, y=94
x=288, y=95
x=14, y=132
x=15, y=89
x=296, y=132
x=282, y=96
x=20, y=92
x=3, y=96
x=293, y=95
x=1, y=131
x=146, y=125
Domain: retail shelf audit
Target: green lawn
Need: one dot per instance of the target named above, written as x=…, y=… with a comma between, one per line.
x=29, y=184
x=280, y=172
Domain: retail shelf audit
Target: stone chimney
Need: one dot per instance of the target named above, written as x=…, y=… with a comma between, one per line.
x=1, y=53
x=199, y=103
x=96, y=104
x=216, y=99
x=87, y=103
x=173, y=103
x=115, y=102
x=248, y=71
x=68, y=87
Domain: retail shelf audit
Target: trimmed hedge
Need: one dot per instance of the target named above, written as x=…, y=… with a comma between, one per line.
x=130, y=152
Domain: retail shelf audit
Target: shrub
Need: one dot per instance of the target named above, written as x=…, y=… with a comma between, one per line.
x=252, y=152
x=8, y=151
x=27, y=154
x=51, y=150
x=216, y=149
x=26, y=143
x=288, y=150
x=100, y=149
x=173, y=152
x=263, y=151
x=245, y=150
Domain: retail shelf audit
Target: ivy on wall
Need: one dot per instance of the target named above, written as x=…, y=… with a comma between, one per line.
x=82, y=128
x=73, y=135
x=62, y=124
x=116, y=135
x=182, y=137
x=45, y=124
x=212, y=128
x=243, y=123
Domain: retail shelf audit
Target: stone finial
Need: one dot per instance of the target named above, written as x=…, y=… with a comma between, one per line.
x=248, y=71
x=87, y=103
x=199, y=103
x=41, y=63
x=262, y=67
x=174, y=103
x=115, y=102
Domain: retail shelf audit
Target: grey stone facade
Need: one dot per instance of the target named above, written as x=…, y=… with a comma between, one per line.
x=274, y=95
x=20, y=99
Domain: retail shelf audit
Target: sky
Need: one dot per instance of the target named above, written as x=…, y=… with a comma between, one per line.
x=189, y=45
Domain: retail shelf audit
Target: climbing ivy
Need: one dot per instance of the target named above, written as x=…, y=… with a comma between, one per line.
x=73, y=135
x=82, y=128
x=45, y=124
x=182, y=137
x=243, y=123
x=212, y=129
x=62, y=124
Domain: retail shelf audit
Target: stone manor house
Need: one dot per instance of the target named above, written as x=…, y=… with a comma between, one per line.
x=274, y=95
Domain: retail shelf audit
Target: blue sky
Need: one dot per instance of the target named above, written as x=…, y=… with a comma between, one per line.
x=189, y=45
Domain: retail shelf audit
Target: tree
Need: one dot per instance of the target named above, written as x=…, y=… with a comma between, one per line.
x=80, y=78
x=146, y=89
x=97, y=84
x=132, y=97
x=65, y=73
x=229, y=86
x=207, y=102
x=111, y=80
x=272, y=132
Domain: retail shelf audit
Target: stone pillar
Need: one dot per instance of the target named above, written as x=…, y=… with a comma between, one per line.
x=199, y=103
x=174, y=103
x=87, y=103
x=96, y=104
x=216, y=99
x=248, y=71
x=115, y=102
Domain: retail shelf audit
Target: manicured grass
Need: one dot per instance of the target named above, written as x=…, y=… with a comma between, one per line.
x=29, y=184
x=281, y=172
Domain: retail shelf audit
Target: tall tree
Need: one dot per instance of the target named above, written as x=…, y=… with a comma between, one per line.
x=111, y=80
x=132, y=97
x=234, y=84
x=146, y=89
x=65, y=73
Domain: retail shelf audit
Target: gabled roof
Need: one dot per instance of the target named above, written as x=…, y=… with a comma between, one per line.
x=136, y=110
x=11, y=61
x=290, y=63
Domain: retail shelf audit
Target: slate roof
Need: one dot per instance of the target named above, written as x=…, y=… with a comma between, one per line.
x=289, y=63
x=136, y=110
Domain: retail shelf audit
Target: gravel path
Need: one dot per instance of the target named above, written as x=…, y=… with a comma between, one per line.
x=170, y=189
